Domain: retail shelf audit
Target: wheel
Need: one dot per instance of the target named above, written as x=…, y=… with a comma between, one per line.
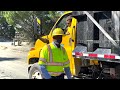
x=117, y=70
x=34, y=72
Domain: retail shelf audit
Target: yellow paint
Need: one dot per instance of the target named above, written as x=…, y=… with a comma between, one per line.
x=38, y=21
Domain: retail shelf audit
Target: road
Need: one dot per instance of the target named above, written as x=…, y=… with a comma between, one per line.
x=13, y=61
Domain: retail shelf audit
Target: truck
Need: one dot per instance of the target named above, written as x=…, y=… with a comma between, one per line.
x=92, y=45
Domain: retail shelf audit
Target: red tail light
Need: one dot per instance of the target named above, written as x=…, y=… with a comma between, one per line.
x=109, y=56
x=93, y=55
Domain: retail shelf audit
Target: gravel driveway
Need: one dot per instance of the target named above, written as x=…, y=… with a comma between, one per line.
x=13, y=61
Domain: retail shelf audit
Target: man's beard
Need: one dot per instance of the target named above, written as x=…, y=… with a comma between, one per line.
x=57, y=43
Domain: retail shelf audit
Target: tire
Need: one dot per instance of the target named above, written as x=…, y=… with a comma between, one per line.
x=34, y=72
x=117, y=70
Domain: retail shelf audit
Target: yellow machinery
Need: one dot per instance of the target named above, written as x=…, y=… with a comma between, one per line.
x=70, y=42
x=33, y=54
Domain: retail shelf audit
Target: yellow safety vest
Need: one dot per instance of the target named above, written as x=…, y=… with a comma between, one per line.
x=54, y=59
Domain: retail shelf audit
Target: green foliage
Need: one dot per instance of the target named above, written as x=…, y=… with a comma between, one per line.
x=2, y=19
x=22, y=21
x=6, y=31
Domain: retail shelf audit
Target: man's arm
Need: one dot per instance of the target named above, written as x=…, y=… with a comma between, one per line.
x=67, y=72
x=44, y=72
x=67, y=65
x=42, y=63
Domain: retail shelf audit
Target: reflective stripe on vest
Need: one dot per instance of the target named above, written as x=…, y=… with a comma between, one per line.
x=51, y=58
x=50, y=54
x=54, y=64
x=55, y=73
x=57, y=63
x=65, y=63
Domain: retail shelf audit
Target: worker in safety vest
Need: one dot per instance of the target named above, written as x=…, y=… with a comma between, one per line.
x=54, y=62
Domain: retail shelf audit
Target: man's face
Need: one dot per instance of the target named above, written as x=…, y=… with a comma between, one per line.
x=68, y=22
x=58, y=39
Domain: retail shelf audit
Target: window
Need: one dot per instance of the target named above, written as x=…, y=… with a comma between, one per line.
x=62, y=23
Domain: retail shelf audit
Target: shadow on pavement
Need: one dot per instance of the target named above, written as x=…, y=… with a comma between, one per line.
x=7, y=59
